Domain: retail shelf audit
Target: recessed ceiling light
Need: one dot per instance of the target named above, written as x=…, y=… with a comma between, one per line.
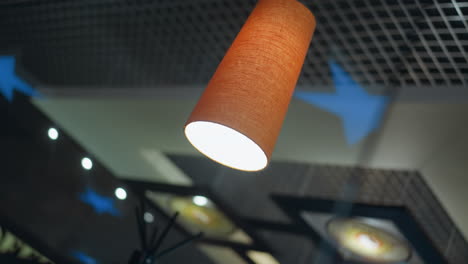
x=148, y=217
x=121, y=193
x=86, y=163
x=200, y=200
x=207, y=219
x=367, y=242
x=53, y=133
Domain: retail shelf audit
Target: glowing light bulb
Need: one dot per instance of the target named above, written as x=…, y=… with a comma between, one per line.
x=226, y=146
x=200, y=200
x=148, y=217
x=368, y=242
x=121, y=193
x=358, y=240
x=53, y=133
x=86, y=163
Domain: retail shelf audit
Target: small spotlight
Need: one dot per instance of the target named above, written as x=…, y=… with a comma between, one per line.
x=367, y=241
x=358, y=239
x=200, y=200
x=121, y=193
x=53, y=133
x=87, y=163
x=148, y=217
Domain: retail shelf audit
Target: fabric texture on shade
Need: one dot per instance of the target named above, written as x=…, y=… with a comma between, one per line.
x=253, y=85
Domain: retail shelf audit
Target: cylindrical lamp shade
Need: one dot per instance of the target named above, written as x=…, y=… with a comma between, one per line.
x=239, y=116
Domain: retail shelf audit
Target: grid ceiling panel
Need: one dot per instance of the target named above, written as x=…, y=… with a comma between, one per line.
x=143, y=43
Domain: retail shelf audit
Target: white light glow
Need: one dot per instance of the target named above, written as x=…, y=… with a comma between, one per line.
x=226, y=146
x=148, y=217
x=53, y=133
x=367, y=242
x=200, y=200
x=86, y=163
x=121, y=193
x=378, y=243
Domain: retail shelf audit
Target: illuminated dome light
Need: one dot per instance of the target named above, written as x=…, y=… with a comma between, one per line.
x=207, y=219
x=120, y=193
x=87, y=163
x=226, y=146
x=368, y=243
x=52, y=133
x=148, y=217
x=200, y=200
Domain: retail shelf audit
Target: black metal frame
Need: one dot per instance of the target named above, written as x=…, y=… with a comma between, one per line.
x=149, y=252
x=400, y=216
x=139, y=188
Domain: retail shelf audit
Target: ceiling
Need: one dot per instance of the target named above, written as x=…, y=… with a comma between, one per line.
x=121, y=77
x=428, y=137
x=118, y=43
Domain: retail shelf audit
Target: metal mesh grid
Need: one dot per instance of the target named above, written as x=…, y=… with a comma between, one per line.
x=406, y=43
x=388, y=187
x=122, y=43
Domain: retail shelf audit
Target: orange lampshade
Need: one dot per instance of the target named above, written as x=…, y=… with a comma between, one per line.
x=239, y=116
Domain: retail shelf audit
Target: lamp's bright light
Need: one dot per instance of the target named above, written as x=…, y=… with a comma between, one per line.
x=52, y=133
x=200, y=200
x=226, y=146
x=86, y=163
x=148, y=217
x=121, y=193
x=367, y=242
x=359, y=239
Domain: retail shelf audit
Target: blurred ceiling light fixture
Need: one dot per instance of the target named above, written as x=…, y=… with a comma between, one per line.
x=200, y=200
x=53, y=133
x=86, y=163
x=120, y=193
x=148, y=217
x=239, y=116
x=367, y=242
x=206, y=218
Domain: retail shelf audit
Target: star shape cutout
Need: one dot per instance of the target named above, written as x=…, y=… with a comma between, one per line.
x=9, y=81
x=359, y=111
x=83, y=258
x=100, y=203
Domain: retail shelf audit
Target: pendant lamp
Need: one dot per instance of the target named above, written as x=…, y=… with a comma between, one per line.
x=238, y=118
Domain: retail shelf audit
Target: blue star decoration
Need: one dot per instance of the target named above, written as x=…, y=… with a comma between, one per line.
x=9, y=81
x=83, y=258
x=359, y=111
x=101, y=204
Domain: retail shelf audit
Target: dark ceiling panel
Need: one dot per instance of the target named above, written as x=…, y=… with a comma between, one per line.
x=119, y=43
